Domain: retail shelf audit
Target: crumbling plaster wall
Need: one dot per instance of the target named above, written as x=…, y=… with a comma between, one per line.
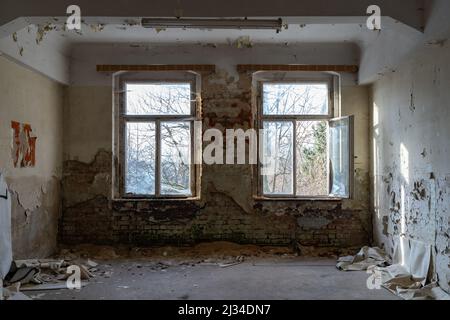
x=411, y=175
x=227, y=209
x=28, y=97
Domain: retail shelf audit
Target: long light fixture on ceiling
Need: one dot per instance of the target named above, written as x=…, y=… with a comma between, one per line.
x=274, y=24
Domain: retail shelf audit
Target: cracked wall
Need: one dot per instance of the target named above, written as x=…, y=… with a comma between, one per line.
x=227, y=209
x=35, y=191
x=410, y=168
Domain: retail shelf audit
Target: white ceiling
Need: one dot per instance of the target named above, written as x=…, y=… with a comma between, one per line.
x=45, y=45
x=129, y=30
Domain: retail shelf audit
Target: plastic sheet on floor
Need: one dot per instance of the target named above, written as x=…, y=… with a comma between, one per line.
x=409, y=276
x=365, y=258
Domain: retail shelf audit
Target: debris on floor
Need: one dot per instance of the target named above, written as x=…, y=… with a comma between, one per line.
x=219, y=251
x=51, y=274
x=407, y=275
x=239, y=260
x=13, y=293
x=43, y=275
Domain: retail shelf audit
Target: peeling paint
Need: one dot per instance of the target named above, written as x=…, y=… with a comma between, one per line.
x=34, y=229
x=131, y=23
x=412, y=105
x=94, y=179
x=24, y=145
x=158, y=30
x=419, y=192
x=424, y=153
x=97, y=27
x=42, y=31
x=243, y=42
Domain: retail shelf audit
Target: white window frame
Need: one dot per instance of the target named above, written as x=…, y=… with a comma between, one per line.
x=333, y=83
x=157, y=119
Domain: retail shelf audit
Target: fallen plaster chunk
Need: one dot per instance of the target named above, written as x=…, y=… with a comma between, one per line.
x=91, y=263
x=239, y=260
x=123, y=287
x=37, y=296
x=49, y=286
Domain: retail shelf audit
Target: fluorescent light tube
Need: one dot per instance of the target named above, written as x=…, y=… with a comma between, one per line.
x=213, y=23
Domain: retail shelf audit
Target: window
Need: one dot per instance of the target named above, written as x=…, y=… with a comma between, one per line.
x=304, y=151
x=157, y=121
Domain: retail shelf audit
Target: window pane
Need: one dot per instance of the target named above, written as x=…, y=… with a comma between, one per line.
x=295, y=99
x=158, y=99
x=175, y=158
x=140, y=158
x=312, y=177
x=277, y=158
x=340, y=156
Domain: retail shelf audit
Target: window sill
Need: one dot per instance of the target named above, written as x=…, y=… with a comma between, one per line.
x=299, y=199
x=179, y=199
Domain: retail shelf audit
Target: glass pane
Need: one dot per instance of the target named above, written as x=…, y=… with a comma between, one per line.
x=277, y=158
x=140, y=158
x=340, y=157
x=295, y=99
x=158, y=99
x=312, y=177
x=175, y=158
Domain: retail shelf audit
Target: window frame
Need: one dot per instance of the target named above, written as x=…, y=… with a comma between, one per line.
x=157, y=119
x=332, y=83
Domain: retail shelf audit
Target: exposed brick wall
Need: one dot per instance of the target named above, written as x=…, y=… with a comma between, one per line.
x=148, y=223
x=310, y=223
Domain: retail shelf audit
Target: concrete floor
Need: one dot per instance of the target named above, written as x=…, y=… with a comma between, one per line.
x=261, y=279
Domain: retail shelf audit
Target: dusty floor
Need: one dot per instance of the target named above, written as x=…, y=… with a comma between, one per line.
x=281, y=277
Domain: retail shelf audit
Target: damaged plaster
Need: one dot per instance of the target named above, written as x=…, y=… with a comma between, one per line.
x=35, y=190
x=29, y=191
x=226, y=208
x=410, y=173
x=35, y=228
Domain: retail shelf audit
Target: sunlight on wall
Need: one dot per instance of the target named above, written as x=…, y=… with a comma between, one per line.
x=404, y=170
x=404, y=163
x=376, y=171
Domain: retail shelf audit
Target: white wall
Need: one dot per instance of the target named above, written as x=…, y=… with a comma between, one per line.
x=225, y=57
x=411, y=150
x=28, y=97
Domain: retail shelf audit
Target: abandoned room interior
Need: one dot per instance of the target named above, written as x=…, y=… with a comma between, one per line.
x=232, y=150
